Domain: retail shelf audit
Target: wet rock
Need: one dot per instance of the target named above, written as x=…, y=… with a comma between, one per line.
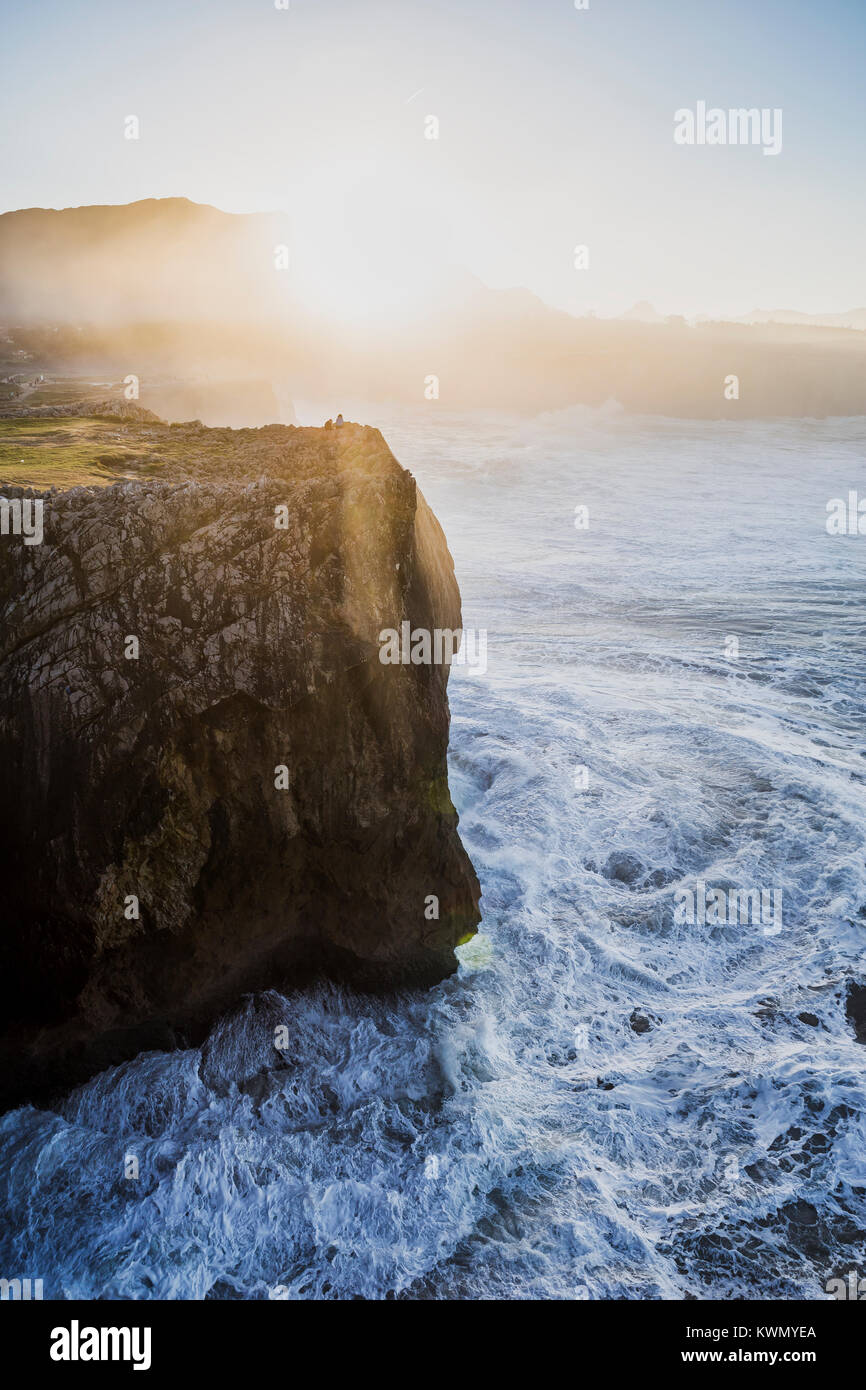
x=855, y=1008
x=246, y=1043
x=623, y=867
x=642, y=1021
x=627, y=869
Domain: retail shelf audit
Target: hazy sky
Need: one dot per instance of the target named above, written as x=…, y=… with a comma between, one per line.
x=555, y=129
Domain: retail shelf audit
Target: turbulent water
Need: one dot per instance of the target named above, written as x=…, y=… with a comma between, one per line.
x=607, y=1101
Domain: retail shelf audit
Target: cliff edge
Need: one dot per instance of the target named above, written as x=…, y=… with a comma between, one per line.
x=211, y=784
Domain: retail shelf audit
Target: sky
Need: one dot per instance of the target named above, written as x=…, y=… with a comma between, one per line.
x=555, y=130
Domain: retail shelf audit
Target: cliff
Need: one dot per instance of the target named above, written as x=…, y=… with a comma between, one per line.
x=254, y=570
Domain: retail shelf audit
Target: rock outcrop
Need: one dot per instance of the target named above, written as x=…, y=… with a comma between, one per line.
x=268, y=797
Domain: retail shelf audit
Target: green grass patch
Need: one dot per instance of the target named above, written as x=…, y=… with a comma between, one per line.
x=70, y=452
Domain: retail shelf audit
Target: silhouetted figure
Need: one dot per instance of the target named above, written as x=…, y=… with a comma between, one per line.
x=339, y=422
x=329, y=424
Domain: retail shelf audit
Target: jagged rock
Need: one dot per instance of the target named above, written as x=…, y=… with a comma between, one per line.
x=855, y=1008
x=154, y=778
x=642, y=1021
x=114, y=408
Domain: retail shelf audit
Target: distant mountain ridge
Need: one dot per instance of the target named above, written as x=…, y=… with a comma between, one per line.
x=170, y=289
x=854, y=318
x=157, y=259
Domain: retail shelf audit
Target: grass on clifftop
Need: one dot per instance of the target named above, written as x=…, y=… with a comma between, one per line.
x=71, y=451
x=65, y=451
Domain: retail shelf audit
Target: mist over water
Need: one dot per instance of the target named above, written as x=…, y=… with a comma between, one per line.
x=510, y=1133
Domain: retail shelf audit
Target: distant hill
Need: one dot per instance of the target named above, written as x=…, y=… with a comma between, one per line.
x=189, y=296
x=642, y=312
x=854, y=318
x=159, y=259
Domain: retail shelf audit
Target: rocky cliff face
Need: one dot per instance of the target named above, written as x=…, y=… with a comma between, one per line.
x=195, y=726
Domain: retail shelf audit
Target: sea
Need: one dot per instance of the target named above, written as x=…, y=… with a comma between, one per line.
x=644, y=1080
